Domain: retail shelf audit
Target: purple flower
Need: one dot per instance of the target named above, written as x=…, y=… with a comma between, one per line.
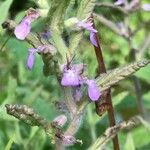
x=72, y=74
x=93, y=90
x=89, y=26
x=146, y=7
x=70, y=78
x=31, y=58
x=31, y=55
x=23, y=29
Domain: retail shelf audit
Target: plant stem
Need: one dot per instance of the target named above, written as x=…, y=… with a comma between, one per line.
x=107, y=97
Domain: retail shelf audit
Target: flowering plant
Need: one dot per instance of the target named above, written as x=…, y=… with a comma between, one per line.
x=60, y=59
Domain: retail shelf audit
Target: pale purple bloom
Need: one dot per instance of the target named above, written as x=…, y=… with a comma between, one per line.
x=60, y=120
x=31, y=55
x=31, y=58
x=93, y=90
x=71, y=75
x=89, y=26
x=70, y=78
x=119, y=2
x=23, y=29
x=146, y=7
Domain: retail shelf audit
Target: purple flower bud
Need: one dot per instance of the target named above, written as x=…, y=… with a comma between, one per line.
x=60, y=120
x=23, y=29
x=31, y=58
x=70, y=78
x=93, y=39
x=146, y=7
x=93, y=90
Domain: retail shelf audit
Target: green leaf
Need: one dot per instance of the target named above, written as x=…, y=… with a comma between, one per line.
x=26, y=114
x=144, y=74
x=106, y=80
x=119, y=97
x=146, y=98
x=4, y=7
x=129, y=145
x=141, y=136
x=57, y=13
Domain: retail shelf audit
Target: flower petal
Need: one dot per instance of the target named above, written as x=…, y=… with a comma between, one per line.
x=93, y=39
x=70, y=78
x=31, y=58
x=93, y=90
x=23, y=29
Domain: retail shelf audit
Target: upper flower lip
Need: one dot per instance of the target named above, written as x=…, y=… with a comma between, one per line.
x=24, y=27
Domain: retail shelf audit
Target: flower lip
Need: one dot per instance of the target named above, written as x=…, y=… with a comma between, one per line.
x=93, y=90
x=23, y=29
x=31, y=58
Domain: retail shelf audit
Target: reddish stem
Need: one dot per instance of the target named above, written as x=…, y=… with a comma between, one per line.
x=107, y=97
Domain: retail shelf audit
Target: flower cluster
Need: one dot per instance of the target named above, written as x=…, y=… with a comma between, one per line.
x=73, y=76
x=23, y=29
x=72, y=73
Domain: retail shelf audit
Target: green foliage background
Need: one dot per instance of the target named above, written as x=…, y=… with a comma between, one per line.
x=18, y=85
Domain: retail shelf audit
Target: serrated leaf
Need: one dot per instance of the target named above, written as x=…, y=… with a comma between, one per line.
x=4, y=8
x=129, y=145
x=57, y=13
x=85, y=8
x=26, y=114
x=74, y=41
x=105, y=81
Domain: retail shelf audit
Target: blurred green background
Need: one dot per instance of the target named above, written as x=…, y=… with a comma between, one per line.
x=18, y=85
